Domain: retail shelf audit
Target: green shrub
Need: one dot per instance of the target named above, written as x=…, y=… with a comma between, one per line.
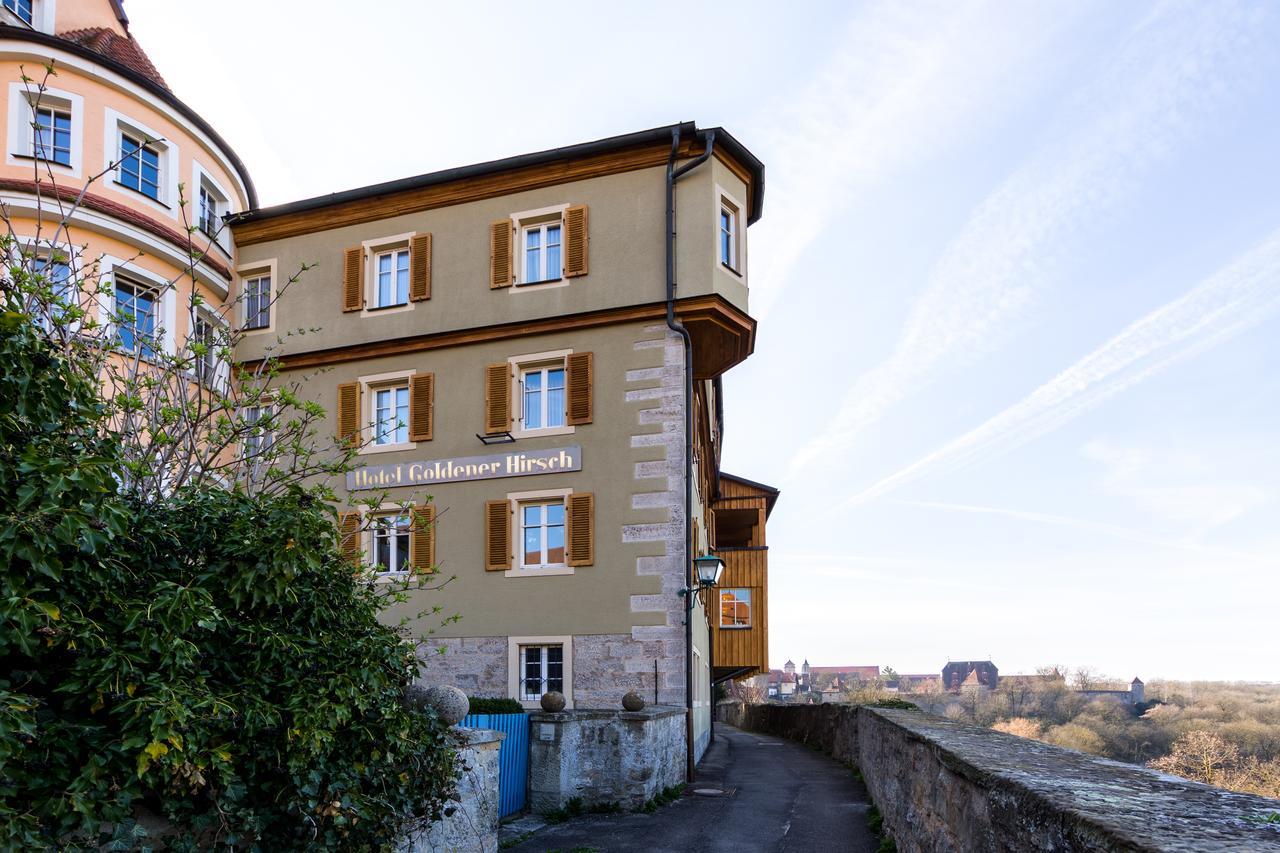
x=486, y=705
x=208, y=655
x=900, y=704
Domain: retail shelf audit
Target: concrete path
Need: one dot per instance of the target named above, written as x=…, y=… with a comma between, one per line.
x=781, y=796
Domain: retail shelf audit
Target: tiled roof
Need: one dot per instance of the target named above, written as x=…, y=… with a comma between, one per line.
x=122, y=49
x=860, y=671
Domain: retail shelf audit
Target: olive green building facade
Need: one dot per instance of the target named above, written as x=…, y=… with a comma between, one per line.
x=496, y=338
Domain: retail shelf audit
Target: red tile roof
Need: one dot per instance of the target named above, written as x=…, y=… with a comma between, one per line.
x=120, y=49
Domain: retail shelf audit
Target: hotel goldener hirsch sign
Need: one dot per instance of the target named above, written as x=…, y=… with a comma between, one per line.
x=515, y=463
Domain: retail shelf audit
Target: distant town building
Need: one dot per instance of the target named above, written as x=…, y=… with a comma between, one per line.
x=958, y=674
x=822, y=683
x=1135, y=695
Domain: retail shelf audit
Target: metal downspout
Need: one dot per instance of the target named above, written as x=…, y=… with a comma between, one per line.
x=674, y=174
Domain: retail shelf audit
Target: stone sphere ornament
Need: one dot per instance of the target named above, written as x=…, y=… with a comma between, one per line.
x=553, y=701
x=450, y=703
x=633, y=701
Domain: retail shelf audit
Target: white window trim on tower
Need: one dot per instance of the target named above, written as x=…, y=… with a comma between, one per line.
x=116, y=123
x=43, y=15
x=20, y=149
x=373, y=248
x=514, y=671
x=520, y=363
x=369, y=385
x=200, y=175
x=167, y=312
x=537, y=217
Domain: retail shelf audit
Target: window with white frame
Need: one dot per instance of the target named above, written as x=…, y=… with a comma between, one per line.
x=211, y=205
x=391, y=278
x=51, y=134
x=390, y=414
x=258, y=436
x=136, y=306
x=540, y=255
x=542, y=400
x=729, y=235
x=139, y=165
x=205, y=335
x=735, y=608
x=57, y=274
x=22, y=8
x=541, y=671
x=541, y=533
x=257, y=301
x=390, y=539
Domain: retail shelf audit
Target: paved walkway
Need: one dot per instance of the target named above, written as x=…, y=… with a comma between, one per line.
x=782, y=796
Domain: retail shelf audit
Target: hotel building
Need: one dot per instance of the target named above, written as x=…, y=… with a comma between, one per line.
x=528, y=351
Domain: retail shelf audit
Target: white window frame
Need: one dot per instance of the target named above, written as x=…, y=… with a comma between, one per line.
x=117, y=124
x=167, y=309
x=369, y=385
x=21, y=142
x=43, y=15
x=751, y=612
x=252, y=272
x=400, y=512
x=221, y=370
x=521, y=363
x=516, y=501
x=737, y=265
x=536, y=218
x=372, y=249
x=515, y=672
x=201, y=179
x=260, y=440
x=544, y=527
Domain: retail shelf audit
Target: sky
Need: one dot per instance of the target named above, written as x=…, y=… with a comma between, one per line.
x=1017, y=280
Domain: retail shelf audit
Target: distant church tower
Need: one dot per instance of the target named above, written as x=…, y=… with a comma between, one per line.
x=804, y=668
x=789, y=667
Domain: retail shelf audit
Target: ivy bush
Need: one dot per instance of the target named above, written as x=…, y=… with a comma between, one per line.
x=207, y=657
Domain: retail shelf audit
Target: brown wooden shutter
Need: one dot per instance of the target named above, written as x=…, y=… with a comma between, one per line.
x=422, y=406
x=353, y=279
x=420, y=267
x=497, y=398
x=422, y=547
x=580, y=525
x=500, y=265
x=576, y=241
x=349, y=535
x=349, y=412
x=497, y=536
x=579, y=381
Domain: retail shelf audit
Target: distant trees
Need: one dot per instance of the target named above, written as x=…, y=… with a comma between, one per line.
x=1020, y=727
x=1200, y=755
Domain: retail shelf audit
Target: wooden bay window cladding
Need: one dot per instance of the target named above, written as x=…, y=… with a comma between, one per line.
x=503, y=244
x=579, y=398
x=353, y=263
x=579, y=534
x=422, y=407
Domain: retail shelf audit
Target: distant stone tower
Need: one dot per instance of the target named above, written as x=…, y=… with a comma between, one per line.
x=789, y=667
x=804, y=668
x=1137, y=692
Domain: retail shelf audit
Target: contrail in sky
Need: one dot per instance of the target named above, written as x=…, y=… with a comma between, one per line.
x=1139, y=107
x=1234, y=299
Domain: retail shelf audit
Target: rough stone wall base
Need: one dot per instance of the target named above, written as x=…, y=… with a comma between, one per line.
x=472, y=826
x=943, y=785
x=604, y=756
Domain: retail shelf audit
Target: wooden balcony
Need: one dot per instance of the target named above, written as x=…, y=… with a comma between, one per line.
x=740, y=511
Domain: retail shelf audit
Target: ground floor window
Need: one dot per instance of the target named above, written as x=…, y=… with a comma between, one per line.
x=541, y=671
